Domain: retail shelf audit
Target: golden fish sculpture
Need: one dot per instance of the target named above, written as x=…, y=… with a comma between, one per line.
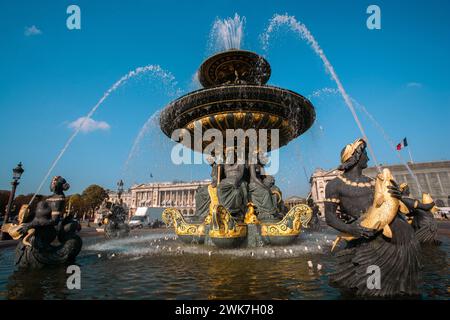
x=427, y=199
x=382, y=212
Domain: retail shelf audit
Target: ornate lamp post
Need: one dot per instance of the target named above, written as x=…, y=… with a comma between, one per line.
x=119, y=189
x=17, y=173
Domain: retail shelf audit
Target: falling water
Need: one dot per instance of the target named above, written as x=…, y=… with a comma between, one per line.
x=305, y=34
x=227, y=34
x=320, y=92
x=149, y=124
x=155, y=69
x=386, y=137
x=390, y=142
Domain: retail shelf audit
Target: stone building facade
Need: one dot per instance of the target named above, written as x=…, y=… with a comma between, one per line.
x=319, y=180
x=293, y=201
x=433, y=177
x=161, y=195
x=126, y=197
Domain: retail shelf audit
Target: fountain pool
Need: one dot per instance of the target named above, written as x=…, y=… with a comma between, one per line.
x=145, y=268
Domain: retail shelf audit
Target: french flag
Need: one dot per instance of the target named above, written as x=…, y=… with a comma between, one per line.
x=402, y=144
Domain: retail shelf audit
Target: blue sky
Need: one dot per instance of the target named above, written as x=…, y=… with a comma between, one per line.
x=51, y=76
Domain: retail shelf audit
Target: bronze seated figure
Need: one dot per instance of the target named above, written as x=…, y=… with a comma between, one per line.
x=241, y=206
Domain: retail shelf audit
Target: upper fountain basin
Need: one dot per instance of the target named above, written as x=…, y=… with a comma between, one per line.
x=240, y=106
x=234, y=67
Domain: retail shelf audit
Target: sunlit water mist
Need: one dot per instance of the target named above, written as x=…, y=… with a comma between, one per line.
x=279, y=20
x=149, y=158
x=227, y=34
x=331, y=91
x=157, y=72
x=151, y=123
x=168, y=244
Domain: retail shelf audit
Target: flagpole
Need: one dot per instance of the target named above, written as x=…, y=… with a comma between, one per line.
x=410, y=156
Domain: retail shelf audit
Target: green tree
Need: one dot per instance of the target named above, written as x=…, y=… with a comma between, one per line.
x=77, y=205
x=93, y=197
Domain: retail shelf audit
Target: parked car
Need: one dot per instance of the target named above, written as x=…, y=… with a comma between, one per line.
x=138, y=222
x=141, y=218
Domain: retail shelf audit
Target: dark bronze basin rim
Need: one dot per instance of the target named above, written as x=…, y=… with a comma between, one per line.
x=284, y=103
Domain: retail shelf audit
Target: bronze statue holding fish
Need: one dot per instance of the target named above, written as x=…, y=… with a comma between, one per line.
x=377, y=233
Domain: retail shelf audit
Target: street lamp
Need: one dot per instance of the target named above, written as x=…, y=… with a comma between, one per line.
x=119, y=188
x=17, y=173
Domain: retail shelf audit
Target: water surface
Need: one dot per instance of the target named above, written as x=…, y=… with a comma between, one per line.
x=155, y=266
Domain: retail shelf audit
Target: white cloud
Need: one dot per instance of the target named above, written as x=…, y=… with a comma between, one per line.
x=32, y=31
x=414, y=85
x=88, y=125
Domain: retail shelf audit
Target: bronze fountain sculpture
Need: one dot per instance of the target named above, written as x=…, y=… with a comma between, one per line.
x=242, y=206
x=114, y=218
x=420, y=214
x=47, y=235
x=372, y=220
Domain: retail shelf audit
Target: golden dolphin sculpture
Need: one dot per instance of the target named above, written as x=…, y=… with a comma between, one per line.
x=383, y=210
x=299, y=216
x=427, y=199
x=226, y=231
x=14, y=229
x=286, y=231
x=187, y=232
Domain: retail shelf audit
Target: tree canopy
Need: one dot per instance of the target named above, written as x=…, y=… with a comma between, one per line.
x=93, y=197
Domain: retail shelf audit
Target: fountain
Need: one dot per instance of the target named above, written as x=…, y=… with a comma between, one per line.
x=114, y=218
x=235, y=96
x=39, y=230
x=156, y=266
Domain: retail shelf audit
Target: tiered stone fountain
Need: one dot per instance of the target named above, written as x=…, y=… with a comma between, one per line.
x=236, y=96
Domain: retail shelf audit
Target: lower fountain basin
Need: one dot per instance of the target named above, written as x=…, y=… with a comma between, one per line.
x=228, y=243
x=224, y=232
x=191, y=239
x=279, y=240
